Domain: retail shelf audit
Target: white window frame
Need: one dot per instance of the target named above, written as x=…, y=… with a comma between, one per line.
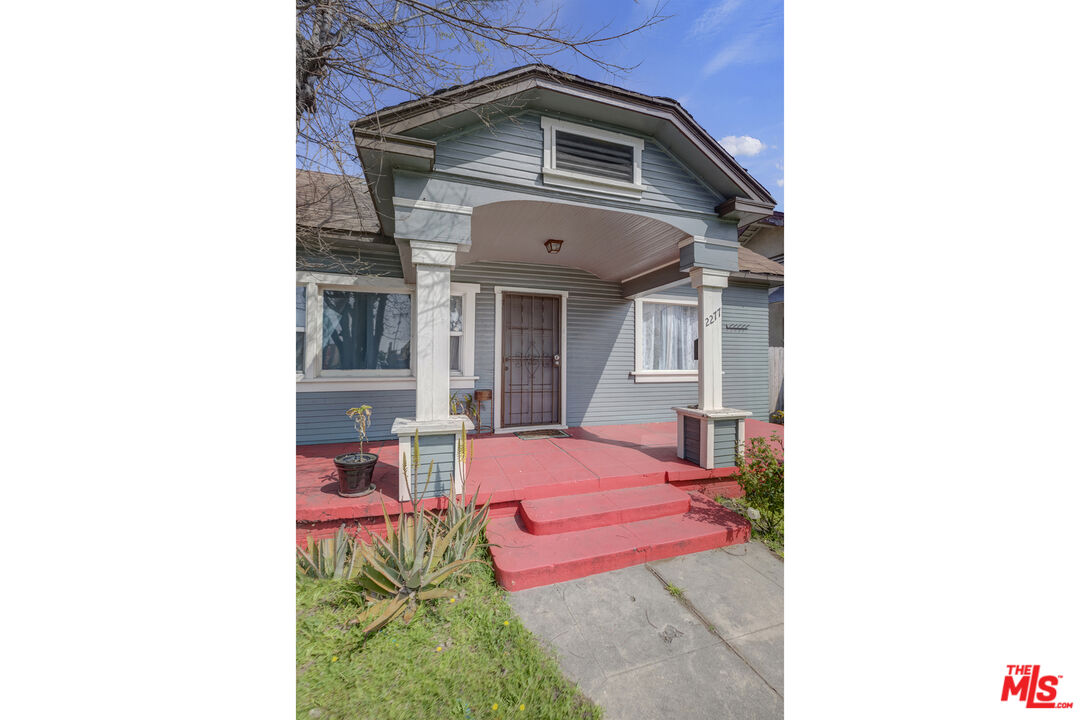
x=467, y=291
x=657, y=376
x=315, y=379
x=300, y=373
x=584, y=181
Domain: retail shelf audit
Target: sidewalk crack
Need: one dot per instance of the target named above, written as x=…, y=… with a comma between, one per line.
x=685, y=602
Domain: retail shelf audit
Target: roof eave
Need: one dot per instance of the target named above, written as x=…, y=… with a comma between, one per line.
x=415, y=113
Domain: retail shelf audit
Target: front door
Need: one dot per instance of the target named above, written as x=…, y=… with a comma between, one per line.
x=531, y=360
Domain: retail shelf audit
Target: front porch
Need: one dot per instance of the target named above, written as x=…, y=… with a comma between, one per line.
x=510, y=470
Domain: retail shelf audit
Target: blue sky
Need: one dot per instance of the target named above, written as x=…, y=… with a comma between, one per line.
x=723, y=60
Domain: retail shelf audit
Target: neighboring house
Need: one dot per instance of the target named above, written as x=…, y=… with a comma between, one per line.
x=557, y=241
x=766, y=237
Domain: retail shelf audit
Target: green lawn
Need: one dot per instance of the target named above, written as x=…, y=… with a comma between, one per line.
x=469, y=659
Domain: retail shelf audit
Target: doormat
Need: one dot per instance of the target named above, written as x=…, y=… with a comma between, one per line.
x=537, y=434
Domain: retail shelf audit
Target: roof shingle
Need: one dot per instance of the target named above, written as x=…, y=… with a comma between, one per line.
x=334, y=202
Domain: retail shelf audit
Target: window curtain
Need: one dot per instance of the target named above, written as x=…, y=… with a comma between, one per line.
x=668, y=338
x=366, y=331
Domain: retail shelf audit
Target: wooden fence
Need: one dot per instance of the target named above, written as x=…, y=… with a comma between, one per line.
x=776, y=378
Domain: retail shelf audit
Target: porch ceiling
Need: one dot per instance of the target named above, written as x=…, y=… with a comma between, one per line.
x=612, y=245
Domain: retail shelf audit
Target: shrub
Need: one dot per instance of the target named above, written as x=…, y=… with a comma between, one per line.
x=760, y=474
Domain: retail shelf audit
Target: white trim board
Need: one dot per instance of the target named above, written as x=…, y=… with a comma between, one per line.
x=496, y=392
x=429, y=205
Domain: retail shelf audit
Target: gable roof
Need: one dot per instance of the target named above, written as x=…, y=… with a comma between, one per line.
x=334, y=202
x=660, y=117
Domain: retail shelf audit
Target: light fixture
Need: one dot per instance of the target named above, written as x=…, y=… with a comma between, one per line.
x=553, y=246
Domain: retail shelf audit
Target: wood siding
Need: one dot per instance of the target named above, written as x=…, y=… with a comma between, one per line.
x=512, y=151
x=746, y=351
x=599, y=353
x=692, y=439
x=437, y=452
x=320, y=417
x=724, y=438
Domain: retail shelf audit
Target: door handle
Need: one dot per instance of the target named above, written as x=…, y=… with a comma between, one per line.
x=556, y=360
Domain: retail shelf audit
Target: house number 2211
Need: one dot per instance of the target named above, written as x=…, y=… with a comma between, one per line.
x=712, y=317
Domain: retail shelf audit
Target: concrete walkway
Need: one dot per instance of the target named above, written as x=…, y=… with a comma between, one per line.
x=640, y=652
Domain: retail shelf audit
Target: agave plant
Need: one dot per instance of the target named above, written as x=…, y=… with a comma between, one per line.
x=407, y=567
x=464, y=516
x=326, y=558
x=464, y=525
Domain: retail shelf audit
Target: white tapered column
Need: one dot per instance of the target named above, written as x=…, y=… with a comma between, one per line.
x=710, y=285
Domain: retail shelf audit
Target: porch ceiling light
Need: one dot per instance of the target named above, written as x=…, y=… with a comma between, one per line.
x=553, y=246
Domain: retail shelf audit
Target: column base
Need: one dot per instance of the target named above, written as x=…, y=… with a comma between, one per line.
x=440, y=469
x=710, y=438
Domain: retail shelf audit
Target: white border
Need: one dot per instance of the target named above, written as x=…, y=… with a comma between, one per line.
x=657, y=376
x=583, y=181
x=496, y=393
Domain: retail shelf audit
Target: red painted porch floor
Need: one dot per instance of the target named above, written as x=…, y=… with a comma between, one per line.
x=581, y=488
x=510, y=469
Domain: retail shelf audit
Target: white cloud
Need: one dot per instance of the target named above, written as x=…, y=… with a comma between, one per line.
x=742, y=50
x=714, y=16
x=780, y=182
x=742, y=145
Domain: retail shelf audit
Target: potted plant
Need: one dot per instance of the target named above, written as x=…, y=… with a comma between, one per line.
x=354, y=469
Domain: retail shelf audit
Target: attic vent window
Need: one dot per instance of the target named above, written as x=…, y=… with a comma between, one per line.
x=591, y=156
x=587, y=158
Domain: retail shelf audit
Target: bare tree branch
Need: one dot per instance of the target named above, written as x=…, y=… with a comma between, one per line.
x=351, y=54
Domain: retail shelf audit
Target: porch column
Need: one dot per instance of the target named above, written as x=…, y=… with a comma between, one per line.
x=710, y=285
x=433, y=261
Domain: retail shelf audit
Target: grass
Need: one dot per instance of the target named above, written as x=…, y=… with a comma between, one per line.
x=469, y=659
x=674, y=590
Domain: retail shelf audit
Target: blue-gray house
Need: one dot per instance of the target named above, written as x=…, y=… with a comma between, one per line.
x=568, y=245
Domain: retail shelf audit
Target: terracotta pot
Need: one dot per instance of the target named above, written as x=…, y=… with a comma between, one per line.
x=354, y=472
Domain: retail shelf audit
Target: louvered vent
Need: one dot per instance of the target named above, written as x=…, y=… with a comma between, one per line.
x=578, y=153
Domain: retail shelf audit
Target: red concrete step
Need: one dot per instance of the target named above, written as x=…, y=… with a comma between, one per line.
x=611, y=507
x=523, y=560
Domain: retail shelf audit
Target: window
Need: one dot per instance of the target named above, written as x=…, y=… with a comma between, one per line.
x=301, y=320
x=587, y=158
x=355, y=333
x=457, y=331
x=665, y=331
x=366, y=331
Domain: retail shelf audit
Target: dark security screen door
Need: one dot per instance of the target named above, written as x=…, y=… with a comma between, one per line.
x=532, y=357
